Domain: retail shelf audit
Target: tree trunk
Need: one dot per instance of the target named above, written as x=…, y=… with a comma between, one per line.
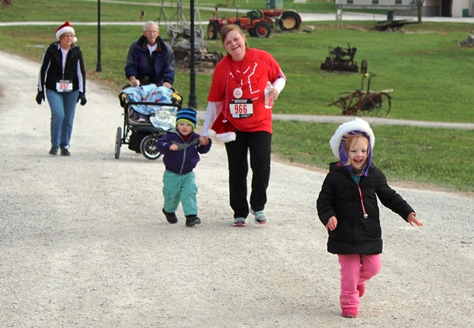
x=419, y=5
x=420, y=11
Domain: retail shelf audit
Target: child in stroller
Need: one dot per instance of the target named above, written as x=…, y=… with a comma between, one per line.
x=149, y=112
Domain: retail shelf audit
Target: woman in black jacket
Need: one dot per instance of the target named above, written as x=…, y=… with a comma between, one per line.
x=347, y=206
x=63, y=76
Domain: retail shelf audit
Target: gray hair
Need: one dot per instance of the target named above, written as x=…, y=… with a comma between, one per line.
x=148, y=24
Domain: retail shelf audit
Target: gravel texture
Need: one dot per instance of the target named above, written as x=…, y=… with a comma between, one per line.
x=83, y=242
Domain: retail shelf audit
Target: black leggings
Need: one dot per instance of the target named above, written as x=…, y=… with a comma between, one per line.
x=259, y=144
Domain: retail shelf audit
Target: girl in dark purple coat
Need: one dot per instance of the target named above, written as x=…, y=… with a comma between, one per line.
x=347, y=206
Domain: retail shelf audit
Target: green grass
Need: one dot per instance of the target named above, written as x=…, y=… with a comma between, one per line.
x=430, y=74
x=442, y=157
x=22, y=9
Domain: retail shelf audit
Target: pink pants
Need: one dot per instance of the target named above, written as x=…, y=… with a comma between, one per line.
x=355, y=270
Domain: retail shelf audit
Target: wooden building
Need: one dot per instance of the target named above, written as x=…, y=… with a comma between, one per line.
x=443, y=8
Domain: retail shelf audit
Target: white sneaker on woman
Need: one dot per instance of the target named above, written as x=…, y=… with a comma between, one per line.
x=260, y=217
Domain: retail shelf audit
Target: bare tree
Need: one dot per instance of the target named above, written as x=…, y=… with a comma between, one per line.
x=419, y=5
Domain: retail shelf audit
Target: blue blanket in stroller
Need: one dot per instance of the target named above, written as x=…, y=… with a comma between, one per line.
x=161, y=116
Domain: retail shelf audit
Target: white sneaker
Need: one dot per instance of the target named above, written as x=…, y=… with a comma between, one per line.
x=260, y=217
x=239, y=222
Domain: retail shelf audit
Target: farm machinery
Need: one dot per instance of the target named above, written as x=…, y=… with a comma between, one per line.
x=469, y=42
x=179, y=39
x=179, y=34
x=258, y=23
x=392, y=25
x=341, y=59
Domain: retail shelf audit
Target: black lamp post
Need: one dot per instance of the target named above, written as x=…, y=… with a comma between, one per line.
x=99, y=61
x=192, y=103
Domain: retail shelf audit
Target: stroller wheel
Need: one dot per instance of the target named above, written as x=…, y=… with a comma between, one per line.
x=148, y=147
x=118, y=142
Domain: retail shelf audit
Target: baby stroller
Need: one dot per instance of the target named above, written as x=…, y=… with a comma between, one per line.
x=149, y=112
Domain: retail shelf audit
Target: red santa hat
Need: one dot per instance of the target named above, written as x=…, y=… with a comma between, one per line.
x=222, y=130
x=65, y=28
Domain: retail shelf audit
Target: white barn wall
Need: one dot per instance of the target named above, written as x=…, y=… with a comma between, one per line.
x=430, y=7
x=459, y=5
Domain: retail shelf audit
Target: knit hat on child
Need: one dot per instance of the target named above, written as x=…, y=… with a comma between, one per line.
x=187, y=115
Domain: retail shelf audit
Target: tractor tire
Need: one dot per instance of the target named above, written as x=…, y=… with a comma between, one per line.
x=212, y=30
x=186, y=62
x=329, y=64
x=364, y=67
x=289, y=20
x=262, y=30
x=216, y=57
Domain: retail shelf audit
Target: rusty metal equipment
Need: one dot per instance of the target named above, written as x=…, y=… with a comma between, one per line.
x=178, y=29
x=341, y=59
x=392, y=25
x=180, y=43
x=469, y=42
x=365, y=102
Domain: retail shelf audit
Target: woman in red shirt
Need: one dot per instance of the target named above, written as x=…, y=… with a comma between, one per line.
x=237, y=115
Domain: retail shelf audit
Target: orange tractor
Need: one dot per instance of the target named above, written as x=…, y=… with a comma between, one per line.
x=258, y=23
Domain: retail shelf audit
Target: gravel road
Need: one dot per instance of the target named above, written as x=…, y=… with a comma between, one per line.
x=83, y=242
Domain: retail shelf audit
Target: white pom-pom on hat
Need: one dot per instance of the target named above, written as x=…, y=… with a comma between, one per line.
x=226, y=137
x=65, y=28
x=222, y=137
x=355, y=125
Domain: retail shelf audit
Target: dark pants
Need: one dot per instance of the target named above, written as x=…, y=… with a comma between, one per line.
x=259, y=144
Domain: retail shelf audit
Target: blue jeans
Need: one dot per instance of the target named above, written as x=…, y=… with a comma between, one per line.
x=63, y=110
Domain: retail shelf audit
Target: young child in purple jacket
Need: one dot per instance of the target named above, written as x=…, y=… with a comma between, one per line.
x=181, y=148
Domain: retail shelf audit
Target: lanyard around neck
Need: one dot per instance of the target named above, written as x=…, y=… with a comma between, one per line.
x=362, y=202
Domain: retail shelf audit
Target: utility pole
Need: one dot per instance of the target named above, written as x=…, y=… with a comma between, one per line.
x=192, y=103
x=99, y=60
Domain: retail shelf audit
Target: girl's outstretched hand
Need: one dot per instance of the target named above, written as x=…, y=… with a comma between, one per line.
x=412, y=219
x=332, y=223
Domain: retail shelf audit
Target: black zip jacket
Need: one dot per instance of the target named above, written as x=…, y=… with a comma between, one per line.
x=339, y=197
x=51, y=68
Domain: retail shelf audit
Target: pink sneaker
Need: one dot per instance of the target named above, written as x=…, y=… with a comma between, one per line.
x=361, y=289
x=350, y=312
